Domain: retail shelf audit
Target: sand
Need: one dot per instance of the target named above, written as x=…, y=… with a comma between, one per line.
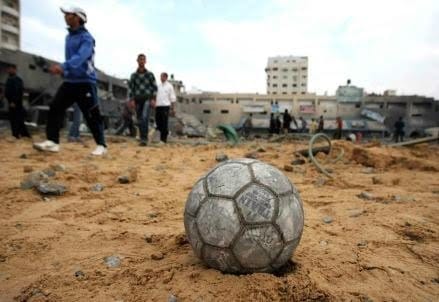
x=385, y=248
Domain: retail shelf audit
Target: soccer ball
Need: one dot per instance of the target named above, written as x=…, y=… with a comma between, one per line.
x=244, y=216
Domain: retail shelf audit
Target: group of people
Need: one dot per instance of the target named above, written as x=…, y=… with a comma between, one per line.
x=277, y=126
x=79, y=89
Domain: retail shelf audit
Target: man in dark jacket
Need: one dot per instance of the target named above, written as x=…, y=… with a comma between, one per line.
x=399, y=130
x=287, y=121
x=79, y=84
x=14, y=95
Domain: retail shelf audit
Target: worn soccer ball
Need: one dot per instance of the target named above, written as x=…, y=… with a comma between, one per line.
x=244, y=216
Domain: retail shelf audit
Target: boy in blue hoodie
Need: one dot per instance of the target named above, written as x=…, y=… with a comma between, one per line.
x=79, y=84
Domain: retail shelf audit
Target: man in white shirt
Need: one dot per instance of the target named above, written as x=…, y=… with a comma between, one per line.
x=165, y=105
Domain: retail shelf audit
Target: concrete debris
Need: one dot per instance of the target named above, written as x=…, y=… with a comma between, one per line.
x=298, y=161
x=129, y=176
x=368, y=170
x=50, y=188
x=181, y=239
x=356, y=212
x=362, y=244
x=376, y=180
x=80, y=275
x=288, y=168
x=98, y=187
x=327, y=219
x=58, y=167
x=49, y=172
x=261, y=149
x=27, y=169
x=23, y=156
x=365, y=196
x=186, y=124
x=221, y=157
x=112, y=261
x=252, y=155
x=403, y=198
x=157, y=256
x=323, y=242
x=32, y=180
x=172, y=298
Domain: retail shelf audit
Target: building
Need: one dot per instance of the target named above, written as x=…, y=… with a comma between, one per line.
x=360, y=113
x=287, y=75
x=10, y=24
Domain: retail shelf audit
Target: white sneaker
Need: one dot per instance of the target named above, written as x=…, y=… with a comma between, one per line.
x=47, y=146
x=99, y=151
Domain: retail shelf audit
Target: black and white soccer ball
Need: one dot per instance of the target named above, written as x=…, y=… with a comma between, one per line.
x=244, y=216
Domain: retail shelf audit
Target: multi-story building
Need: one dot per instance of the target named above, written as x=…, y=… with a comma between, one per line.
x=287, y=75
x=10, y=24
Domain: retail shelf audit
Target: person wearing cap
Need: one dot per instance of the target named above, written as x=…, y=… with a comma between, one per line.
x=79, y=84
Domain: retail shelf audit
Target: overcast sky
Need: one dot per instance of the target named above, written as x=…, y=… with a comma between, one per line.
x=224, y=45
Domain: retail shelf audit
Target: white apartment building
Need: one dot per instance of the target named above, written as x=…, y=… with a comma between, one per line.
x=287, y=75
x=10, y=24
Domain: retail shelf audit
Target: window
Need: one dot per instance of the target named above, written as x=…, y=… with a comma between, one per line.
x=304, y=68
x=303, y=92
x=284, y=85
x=224, y=111
x=274, y=85
x=417, y=115
x=31, y=66
x=206, y=111
x=193, y=100
x=303, y=85
x=304, y=76
x=294, y=69
x=274, y=77
x=285, y=69
x=357, y=105
x=284, y=92
x=285, y=77
x=294, y=85
x=200, y=101
x=275, y=69
x=274, y=92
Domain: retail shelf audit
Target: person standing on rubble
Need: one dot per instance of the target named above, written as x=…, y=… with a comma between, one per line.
x=399, y=130
x=79, y=84
x=143, y=90
x=165, y=106
x=14, y=95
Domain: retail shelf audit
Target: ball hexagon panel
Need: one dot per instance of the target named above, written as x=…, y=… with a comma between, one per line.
x=226, y=180
x=257, y=204
x=193, y=234
x=244, y=160
x=257, y=247
x=221, y=259
x=271, y=177
x=286, y=253
x=290, y=218
x=195, y=198
x=218, y=221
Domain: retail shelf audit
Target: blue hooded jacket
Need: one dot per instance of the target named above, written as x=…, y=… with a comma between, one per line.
x=79, y=66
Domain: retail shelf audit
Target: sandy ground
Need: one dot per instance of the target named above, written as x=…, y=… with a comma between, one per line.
x=53, y=249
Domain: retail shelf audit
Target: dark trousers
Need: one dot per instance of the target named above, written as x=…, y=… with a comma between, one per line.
x=85, y=95
x=16, y=118
x=399, y=136
x=162, y=119
x=127, y=123
x=143, y=110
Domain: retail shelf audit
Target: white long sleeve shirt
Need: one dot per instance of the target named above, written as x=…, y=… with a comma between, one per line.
x=165, y=94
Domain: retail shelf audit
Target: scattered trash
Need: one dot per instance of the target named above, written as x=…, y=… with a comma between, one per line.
x=58, y=167
x=368, y=170
x=112, y=261
x=80, y=275
x=376, y=180
x=23, y=156
x=49, y=172
x=403, y=198
x=261, y=149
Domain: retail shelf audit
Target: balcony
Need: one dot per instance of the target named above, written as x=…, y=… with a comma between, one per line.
x=11, y=29
x=12, y=11
x=10, y=46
